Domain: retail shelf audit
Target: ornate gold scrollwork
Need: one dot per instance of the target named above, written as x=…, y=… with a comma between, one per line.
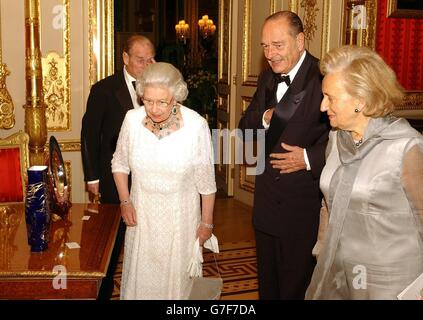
x=7, y=117
x=309, y=20
x=413, y=100
x=9, y=223
x=55, y=90
x=56, y=80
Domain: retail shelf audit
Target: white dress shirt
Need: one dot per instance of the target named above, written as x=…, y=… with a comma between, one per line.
x=128, y=80
x=280, y=92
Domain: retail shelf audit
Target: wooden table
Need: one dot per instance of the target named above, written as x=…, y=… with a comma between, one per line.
x=59, y=272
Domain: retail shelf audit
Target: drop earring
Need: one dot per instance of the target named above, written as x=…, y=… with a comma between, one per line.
x=174, y=110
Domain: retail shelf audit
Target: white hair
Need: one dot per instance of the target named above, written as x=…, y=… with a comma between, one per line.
x=165, y=75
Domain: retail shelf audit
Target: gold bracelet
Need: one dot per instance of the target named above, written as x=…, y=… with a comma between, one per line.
x=207, y=225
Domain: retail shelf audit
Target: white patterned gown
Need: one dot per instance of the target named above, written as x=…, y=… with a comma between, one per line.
x=168, y=176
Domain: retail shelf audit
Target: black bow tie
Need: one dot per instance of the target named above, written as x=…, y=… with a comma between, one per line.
x=280, y=78
x=134, y=84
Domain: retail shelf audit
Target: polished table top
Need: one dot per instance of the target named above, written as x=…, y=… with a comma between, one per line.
x=95, y=236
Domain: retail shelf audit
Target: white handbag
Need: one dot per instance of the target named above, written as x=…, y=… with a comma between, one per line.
x=204, y=288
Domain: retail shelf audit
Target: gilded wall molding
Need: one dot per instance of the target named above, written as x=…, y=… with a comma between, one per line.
x=225, y=45
x=7, y=116
x=413, y=100
x=225, y=21
x=57, y=80
x=73, y=145
x=309, y=19
x=56, y=90
x=316, y=17
x=92, y=30
x=394, y=12
x=246, y=41
x=247, y=79
x=272, y=6
x=325, y=27
x=100, y=39
x=70, y=145
x=294, y=5
x=50, y=274
x=9, y=224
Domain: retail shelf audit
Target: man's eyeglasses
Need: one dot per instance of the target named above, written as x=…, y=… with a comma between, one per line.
x=159, y=103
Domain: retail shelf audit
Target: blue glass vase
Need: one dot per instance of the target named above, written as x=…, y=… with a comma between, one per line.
x=37, y=213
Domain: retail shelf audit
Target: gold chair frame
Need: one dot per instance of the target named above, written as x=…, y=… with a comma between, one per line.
x=19, y=139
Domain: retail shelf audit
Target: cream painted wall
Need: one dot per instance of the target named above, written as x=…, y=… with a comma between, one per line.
x=13, y=49
x=13, y=52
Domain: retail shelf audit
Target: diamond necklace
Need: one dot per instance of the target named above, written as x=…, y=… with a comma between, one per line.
x=161, y=129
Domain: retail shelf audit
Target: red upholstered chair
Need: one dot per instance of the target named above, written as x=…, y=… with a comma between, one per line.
x=14, y=162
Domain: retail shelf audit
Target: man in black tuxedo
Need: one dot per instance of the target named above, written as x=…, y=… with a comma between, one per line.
x=107, y=104
x=287, y=197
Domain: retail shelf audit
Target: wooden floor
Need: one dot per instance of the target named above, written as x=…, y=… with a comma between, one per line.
x=232, y=220
x=233, y=226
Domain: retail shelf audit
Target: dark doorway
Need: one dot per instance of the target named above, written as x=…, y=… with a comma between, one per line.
x=197, y=60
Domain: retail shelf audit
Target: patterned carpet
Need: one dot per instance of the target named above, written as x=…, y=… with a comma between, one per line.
x=237, y=265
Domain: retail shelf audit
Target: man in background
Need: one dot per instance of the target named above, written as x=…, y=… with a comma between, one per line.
x=107, y=104
x=287, y=198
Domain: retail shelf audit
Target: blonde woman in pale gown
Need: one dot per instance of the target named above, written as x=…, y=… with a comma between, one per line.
x=168, y=151
x=372, y=183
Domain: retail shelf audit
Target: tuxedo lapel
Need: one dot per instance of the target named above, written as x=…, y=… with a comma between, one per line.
x=288, y=105
x=300, y=79
x=270, y=91
x=122, y=93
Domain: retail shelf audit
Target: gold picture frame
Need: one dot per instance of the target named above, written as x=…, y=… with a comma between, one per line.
x=413, y=100
x=356, y=31
x=405, y=9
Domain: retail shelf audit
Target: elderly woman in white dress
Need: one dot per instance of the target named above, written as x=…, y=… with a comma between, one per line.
x=168, y=151
x=372, y=183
